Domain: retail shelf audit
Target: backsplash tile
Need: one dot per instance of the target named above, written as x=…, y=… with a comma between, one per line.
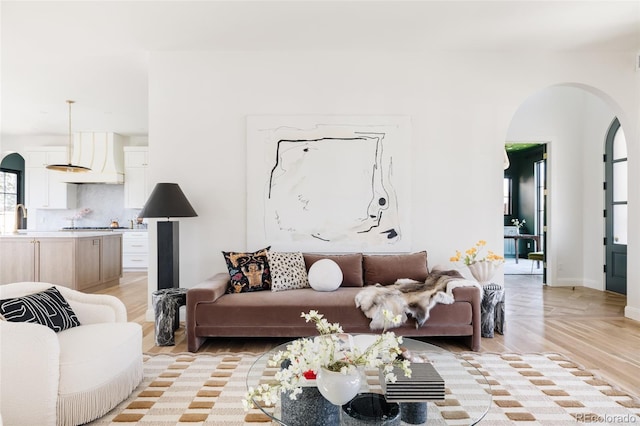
x=106, y=203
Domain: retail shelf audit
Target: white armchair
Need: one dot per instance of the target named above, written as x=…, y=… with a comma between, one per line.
x=73, y=376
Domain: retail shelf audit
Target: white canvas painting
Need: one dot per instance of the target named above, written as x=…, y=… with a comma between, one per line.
x=328, y=183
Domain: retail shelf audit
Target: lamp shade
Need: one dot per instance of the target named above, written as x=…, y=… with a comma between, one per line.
x=167, y=200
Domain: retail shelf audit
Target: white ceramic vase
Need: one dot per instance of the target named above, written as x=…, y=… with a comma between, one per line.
x=483, y=271
x=336, y=387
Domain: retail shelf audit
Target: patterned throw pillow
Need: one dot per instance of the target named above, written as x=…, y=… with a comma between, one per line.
x=248, y=271
x=288, y=271
x=47, y=308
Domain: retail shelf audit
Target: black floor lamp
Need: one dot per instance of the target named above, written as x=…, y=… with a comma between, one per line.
x=168, y=200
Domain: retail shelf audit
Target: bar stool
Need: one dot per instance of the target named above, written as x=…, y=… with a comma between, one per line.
x=536, y=256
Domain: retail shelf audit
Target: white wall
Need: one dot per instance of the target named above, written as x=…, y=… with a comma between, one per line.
x=461, y=107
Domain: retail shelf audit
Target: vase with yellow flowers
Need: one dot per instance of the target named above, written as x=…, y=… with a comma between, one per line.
x=483, y=268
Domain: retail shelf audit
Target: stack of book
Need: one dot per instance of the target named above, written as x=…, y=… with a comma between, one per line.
x=425, y=384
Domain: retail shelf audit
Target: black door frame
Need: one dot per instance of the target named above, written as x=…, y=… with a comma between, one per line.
x=615, y=268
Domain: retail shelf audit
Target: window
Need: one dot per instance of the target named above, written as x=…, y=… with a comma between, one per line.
x=507, y=191
x=8, y=199
x=540, y=174
x=619, y=201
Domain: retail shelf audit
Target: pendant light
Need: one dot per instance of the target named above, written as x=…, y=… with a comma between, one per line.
x=70, y=168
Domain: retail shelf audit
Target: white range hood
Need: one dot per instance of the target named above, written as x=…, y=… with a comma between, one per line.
x=103, y=153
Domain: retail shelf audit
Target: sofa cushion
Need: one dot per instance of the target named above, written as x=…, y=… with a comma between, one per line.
x=248, y=271
x=385, y=269
x=350, y=265
x=48, y=308
x=288, y=271
x=325, y=275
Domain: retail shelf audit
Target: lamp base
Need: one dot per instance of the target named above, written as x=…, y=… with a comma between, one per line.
x=168, y=255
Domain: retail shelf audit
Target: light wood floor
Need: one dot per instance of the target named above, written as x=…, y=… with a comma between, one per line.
x=586, y=325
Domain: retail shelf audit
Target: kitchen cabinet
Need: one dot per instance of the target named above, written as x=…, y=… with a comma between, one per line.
x=135, y=250
x=135, y=176
x=82, y=261
x=52, y=264
x=44, y=188
x=88, y=272
x=111, y=258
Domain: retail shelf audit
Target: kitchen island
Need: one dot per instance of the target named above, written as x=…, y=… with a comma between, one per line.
x=84, y=261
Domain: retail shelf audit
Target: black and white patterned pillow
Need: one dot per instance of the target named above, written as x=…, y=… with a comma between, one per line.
x=47, y=308
x=288, y=271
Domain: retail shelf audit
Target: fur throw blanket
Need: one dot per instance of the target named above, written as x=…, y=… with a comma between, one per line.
x=409, y=298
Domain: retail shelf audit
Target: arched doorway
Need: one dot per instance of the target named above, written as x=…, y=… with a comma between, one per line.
x=573, y=121
x=11, y=190
x=616, y=193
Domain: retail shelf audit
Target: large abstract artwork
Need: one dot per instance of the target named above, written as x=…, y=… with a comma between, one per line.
x=328, y=183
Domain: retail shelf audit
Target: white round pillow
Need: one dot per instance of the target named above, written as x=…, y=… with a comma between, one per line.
x=325, y=275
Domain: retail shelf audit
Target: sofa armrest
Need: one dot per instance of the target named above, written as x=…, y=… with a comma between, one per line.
x=94, y=308
x=89, y=308
x=29, y=373
x=472, y=295
x=207, y=291
x=210, y=289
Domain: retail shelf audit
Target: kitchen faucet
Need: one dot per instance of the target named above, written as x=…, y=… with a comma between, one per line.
x=24, y=216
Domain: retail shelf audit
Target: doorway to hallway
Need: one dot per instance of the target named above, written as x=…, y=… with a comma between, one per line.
x=525, y=212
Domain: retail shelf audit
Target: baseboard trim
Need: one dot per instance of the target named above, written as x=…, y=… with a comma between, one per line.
x=632, y=312
x=567, y=282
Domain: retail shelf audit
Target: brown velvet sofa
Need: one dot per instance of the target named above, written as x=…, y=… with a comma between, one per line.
x=211, y=312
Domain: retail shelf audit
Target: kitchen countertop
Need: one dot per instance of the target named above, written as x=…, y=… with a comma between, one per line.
x=105, y=229
x=58, y=234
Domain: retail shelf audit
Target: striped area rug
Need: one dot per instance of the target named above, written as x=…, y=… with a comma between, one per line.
x=532, y=389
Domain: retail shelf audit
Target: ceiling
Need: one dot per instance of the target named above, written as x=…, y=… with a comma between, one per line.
x=97, y=53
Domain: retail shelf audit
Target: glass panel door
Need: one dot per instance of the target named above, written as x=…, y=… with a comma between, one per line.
x=616, y=209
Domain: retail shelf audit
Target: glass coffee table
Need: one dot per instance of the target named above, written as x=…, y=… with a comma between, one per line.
x=467, y=393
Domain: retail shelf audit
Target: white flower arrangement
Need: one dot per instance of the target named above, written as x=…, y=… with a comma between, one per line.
x=518, y=223
x=307, y=355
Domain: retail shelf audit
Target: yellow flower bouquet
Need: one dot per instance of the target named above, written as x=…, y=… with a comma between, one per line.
x=472, y=255
x=482, y=268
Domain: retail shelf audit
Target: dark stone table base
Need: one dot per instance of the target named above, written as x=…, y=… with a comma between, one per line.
x=309, y=408
x=492, y=311
x=166, y=304
x=414, y=413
